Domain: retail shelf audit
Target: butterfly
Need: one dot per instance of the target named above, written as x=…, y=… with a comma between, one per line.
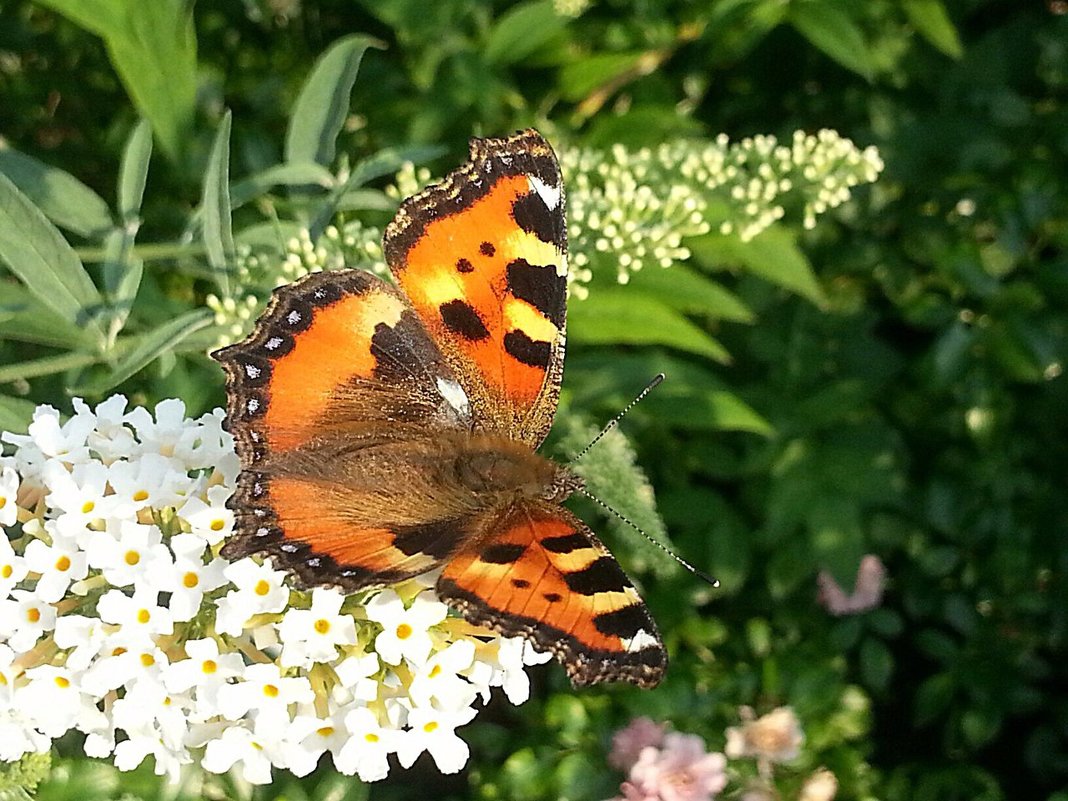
x=388, y=430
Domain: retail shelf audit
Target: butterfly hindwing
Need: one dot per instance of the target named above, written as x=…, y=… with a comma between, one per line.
x=545, y=576
x=483, y=258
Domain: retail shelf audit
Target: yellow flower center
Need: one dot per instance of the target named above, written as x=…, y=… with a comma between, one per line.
x=118, y=651
x=209, y=666
x=63, y=563
x=33, y=614
x=132, y=558
x=3, y=680
x=270, y=690
x=218, y=525
x=190, y=580
x=143, y=616
x=6, y=571
x=371, y=737
x=62, y=683
x=148, y=660
x=431, y=726
x=140, y=495
x=167, y=701
x=435, y=671
x=3, y=501
x=325, y=731
x=404, y=631
x=262, y=587
x=322, y=625
x=87, y=507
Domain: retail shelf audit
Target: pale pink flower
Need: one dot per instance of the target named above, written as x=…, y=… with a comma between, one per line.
x=628, y=742
x=775, y=737
x=681, y=771
x=867, y=590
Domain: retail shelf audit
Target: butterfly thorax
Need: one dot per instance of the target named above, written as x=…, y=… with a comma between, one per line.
x=504, y=471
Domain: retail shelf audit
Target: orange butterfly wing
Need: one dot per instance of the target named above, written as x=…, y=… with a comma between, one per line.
x=336, y=357
x=543, y=575
x=483, y=258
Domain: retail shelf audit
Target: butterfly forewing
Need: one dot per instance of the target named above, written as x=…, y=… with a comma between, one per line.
x=483, y=258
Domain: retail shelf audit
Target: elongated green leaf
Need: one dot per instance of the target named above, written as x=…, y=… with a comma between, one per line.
x=835, y=33
x=64, y=199
x=215, y=208
x=146, y=348
x=133, y=172
x=290, y=174
x=153, y=48
x=323, y=103
x=15, y=414
x=49, y=365
x=35, y=251
x=931, y=19
x=626, y=317
x=23, y=318
x=691, y=293
x=123, y=271
x=522, y=30
x=773, y=255
x=579, y=78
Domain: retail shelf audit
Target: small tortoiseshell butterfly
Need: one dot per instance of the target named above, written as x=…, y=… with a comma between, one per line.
x=387, y=431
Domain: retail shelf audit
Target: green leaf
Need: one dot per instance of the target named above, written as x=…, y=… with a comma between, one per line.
x=708, y=410
x=834, y=32
x=38, y=254
x=15, y=414
x=297, y=173
x=773, y=255
x=64, y=199
x=933, y=697
x=931, y=19
x=521, y=31
x=625, y=317
x=123, y=271
x=582, y=76
x=876, y=663
x=690, y=292
x=323, y=103
x=133, y=172
x=48, y=365
x=215, y=206
x=146, y=348
x=23, y=318
x=153, y=48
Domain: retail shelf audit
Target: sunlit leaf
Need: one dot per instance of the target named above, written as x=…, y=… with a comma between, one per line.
x=215, y=207
x=64, y=199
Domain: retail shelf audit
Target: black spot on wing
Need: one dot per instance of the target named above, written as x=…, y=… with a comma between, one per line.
x=520, y=583
x=601, y=575
x=464, y=266
x=487, y=249
x=539, y=286
x=462, y=319
x=533, y=216
x=625, y=622
x=552, y=597
x=565, y=543
x=437, y=539
x=534, y=353
x=502, y=554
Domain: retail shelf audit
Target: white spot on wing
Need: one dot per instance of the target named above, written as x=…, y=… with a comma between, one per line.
x=640, y=641
x=455, y=396
x=550, y=195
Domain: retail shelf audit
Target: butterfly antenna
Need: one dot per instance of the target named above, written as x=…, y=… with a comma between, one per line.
x=699, y=573
x=657, y=379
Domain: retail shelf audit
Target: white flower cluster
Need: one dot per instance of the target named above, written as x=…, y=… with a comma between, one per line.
x=119, y=619
x=632, y=209
x=257, y=273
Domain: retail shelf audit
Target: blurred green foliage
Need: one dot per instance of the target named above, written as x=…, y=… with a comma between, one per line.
x=903, y=395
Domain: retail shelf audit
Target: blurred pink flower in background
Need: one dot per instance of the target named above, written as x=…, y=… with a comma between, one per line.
x=867, y=590
x=681, y=769
x=628, y=742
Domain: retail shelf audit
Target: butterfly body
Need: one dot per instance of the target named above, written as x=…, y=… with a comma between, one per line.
x=387, y=431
